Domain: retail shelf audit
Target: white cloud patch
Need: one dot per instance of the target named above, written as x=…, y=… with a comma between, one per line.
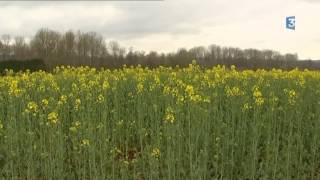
x=312, y=1
x=170, y=24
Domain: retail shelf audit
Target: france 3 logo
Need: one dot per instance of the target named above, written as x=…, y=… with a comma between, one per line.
x=291, y=22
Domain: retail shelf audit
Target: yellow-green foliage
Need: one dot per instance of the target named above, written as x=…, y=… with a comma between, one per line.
x=165, y=123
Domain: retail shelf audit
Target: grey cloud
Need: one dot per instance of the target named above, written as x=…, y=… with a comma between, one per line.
x=174, y=17
x=140, y=18
x=311, y=1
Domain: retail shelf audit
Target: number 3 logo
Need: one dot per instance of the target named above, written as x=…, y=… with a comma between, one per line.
x=291, y=22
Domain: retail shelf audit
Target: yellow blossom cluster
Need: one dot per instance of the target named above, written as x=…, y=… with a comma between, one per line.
x=169, y=115
x=155, y=153
x=53, y=117
x=257, y=95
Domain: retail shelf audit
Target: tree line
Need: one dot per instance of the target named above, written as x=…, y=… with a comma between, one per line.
x=91, y=49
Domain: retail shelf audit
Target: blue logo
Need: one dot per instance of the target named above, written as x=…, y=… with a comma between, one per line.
x=291, y=22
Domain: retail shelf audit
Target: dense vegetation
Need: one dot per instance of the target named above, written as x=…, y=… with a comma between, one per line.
x=164, y=123
x=22, y=65
x=91, y=49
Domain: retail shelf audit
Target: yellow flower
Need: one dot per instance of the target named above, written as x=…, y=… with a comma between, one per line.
x=63, y=100
x=233, y=92
x=156, y=79
x=274, y=100
x=53, y=117
x=1, y=128
x=115, y=150
x=258, y=98
x=73, y=129
x=259, y=101
x=195, y=98
x=292, y=96
x=189, y=90
x=32, y=107
x=13, y=89
x=1, y=125
x=166, y=90
x=77, y=104
x=180, y=99
x=85, y=142
x=100, y=98
x=246, y=107
x=75, y=126
x=105, y=85
x=257, y=93
x=140, y=88
x=155, y=153
x=233, y=67
x=169, y=115
x=45, y=102
x=192, y=96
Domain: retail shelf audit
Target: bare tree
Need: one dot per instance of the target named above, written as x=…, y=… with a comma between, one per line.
x=6, y=49
x=45, y=43
x=82, y=43
x=1, y=50
x=96, y=47
x=66, y=50
x=90, y=48
x=117, y=52
x=20, y=48
x=114, y=48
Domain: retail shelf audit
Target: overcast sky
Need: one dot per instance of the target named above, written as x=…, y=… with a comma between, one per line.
x=170, y=24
